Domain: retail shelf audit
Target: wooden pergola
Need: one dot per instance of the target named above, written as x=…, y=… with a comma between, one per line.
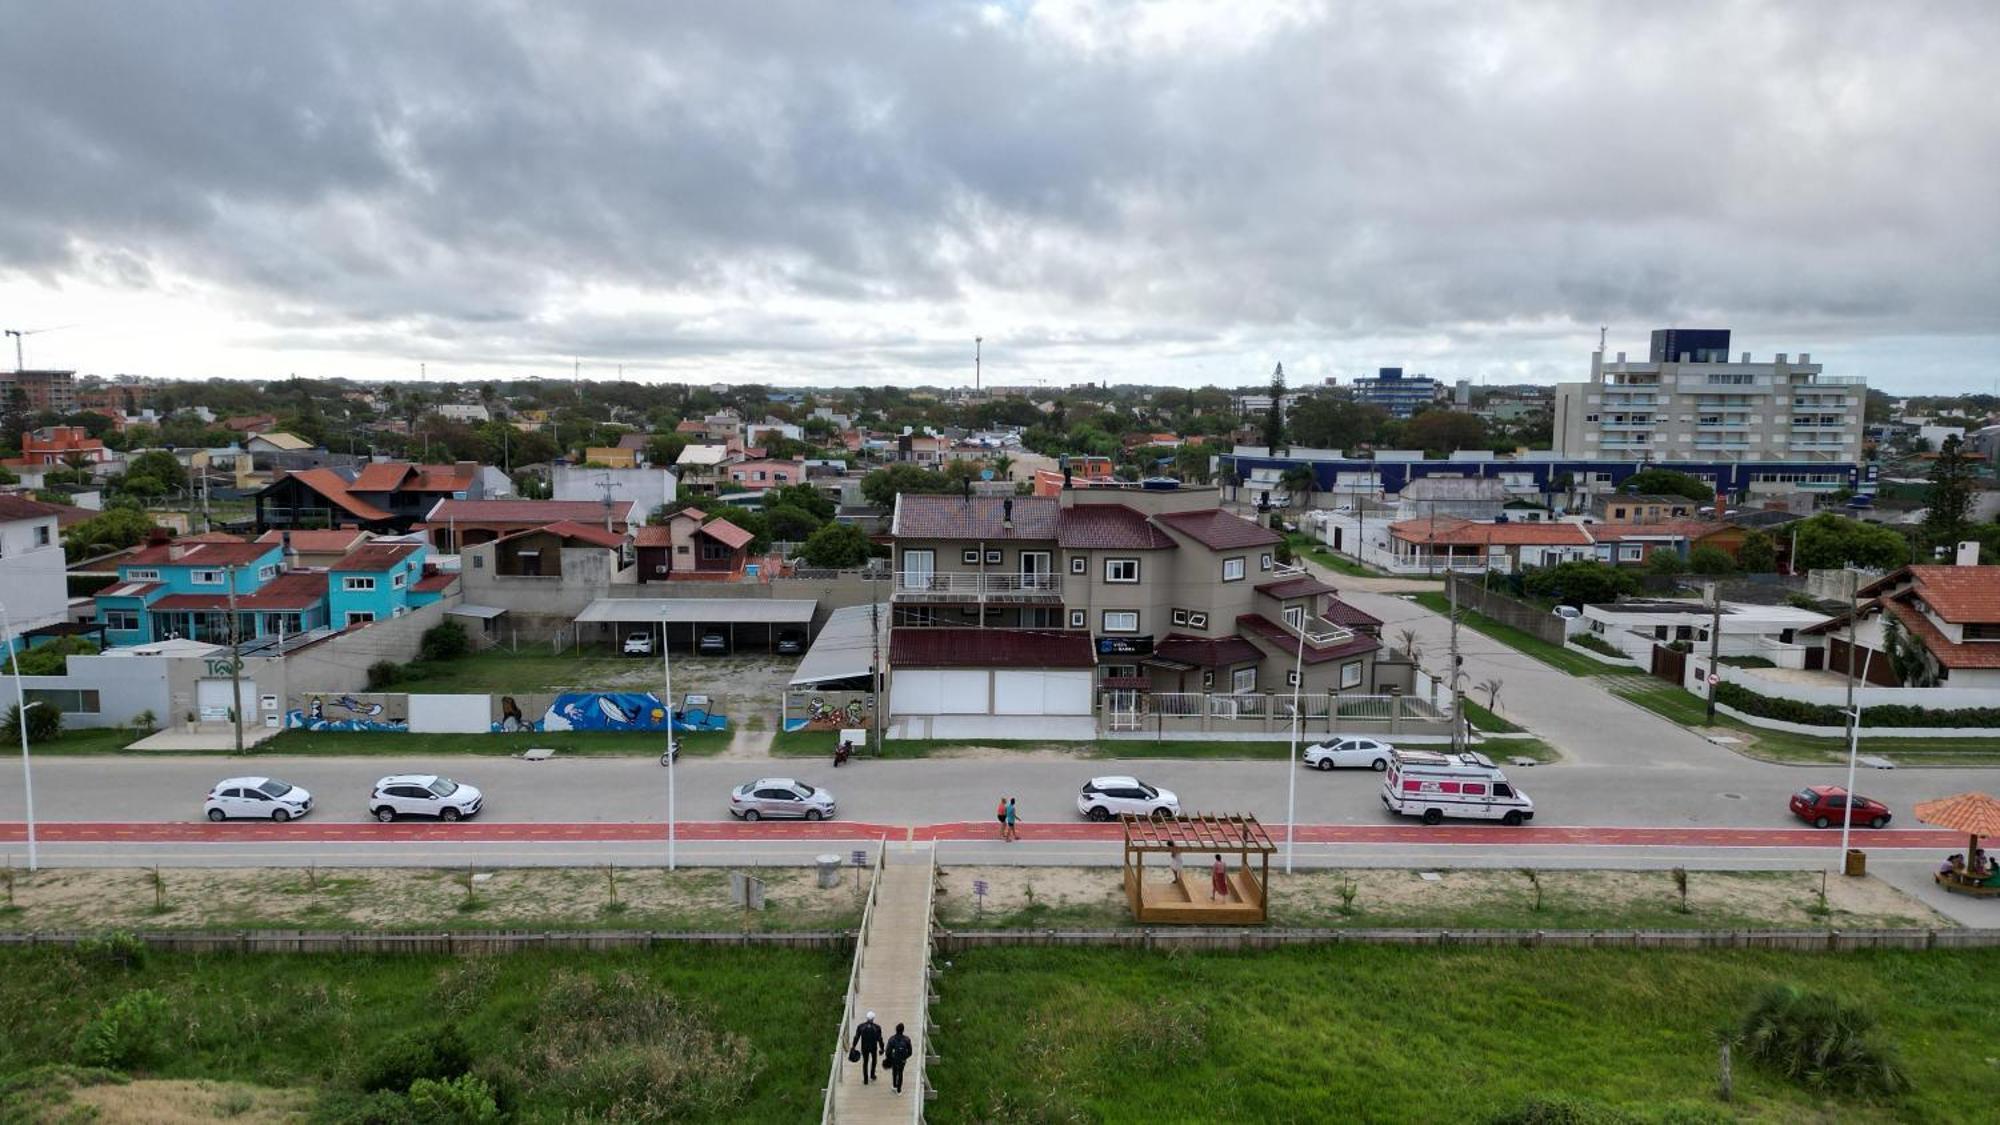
x=1187, y=897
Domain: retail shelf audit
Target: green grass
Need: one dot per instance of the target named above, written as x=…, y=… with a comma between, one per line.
x=1486, y=720
x=1307, y=547
x=1504, y=750
x=311, y=1021
x=1556, y=656
x=86, y=740
x=1377, y=1033
x=1690, y=710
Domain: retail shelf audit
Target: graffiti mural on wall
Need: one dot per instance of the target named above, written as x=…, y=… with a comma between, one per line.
x=598, y=710
x=351, y=711
x=828, y=710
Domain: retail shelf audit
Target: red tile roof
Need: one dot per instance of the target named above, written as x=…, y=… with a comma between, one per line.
x=1340, y=613
x=912, y=647
x=375, y=557
x=528, y=512
x=1960, y=594
x=1689, y=530
x=1288, y=641
x=435, y=583
x=1950, y=653
x=1218, y=530
x=653, y=535
x=921, y=516
x=1462, y=533
x=393, y=476
x=727, y=534
x=336, y=490
x=1110, y=526
x=381, y=476
x=1302, y=586
x=593, y=534
x=237, y=553
x=298, y=589
x=1205, y=652
x=317, y=541
x=14, y=507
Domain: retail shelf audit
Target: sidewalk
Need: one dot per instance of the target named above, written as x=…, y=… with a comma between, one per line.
x=892, y=985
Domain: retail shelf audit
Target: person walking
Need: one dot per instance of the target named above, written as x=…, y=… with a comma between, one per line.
x=1013, y=821
x=1218, y=881
x=896, y=1055
x=1174, y=865
x=867, y=1040
x=1000, y=814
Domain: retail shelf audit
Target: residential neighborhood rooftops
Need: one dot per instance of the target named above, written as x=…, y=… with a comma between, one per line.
x=593, y=534
x=728, y=534
x=375, y=556
x=989, y=648
x=527, y=511
x=1110, y=526
x=1461, y=532
x=435, y=583
x=1218, y=530
x=22, y=508
x=316, y=541
x=1352, y=645
x=1959, y=594
x=1347, y=616
x=1663, y=529
x=338, y=492
x=236, y=553
x=927, y=516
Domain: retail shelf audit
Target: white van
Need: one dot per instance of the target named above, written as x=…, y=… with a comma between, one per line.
x=1436, y=785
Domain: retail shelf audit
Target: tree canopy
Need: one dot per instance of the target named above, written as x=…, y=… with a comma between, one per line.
x=1667, y=482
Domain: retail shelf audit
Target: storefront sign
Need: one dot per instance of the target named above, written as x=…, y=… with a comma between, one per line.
x=1124, y=646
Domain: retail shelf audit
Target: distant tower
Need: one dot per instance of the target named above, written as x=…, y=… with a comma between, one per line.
x=977, y=343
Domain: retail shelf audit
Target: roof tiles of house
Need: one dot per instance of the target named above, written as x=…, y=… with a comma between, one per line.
x=1354, y=645
x=338, y=492
x=211, y=537
x=375, y=557
x=1207, y=652
x=21, y=508
x=435, y=583
x=1960, y=594
x=1303, y=586
x=921, y=516
x=537, y=512
x=593, y=534
x=727, y=534
x=392, y=476
x=298, y=590
x=633, y=441
x=1109, y=526
x=238, y=553
x=1340, y=613
x=989, y=648
x=1218, y=530
x=653, y=535
x=1467, y=533
x=1950, y=653
x=317, y=541
x=1664, y=529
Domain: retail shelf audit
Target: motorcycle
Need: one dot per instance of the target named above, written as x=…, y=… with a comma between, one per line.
x=841, y=754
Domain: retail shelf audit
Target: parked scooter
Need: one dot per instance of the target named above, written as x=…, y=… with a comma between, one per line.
x=841, y=753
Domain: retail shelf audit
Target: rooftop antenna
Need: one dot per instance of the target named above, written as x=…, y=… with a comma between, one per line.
x=20, y=333
x=1601, y=330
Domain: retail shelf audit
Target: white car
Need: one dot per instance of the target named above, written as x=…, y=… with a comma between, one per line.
x=780, y=797
x=639, y=644
x=423, y=794
x=1349, y=753
x=1105, y=798
x=1567, y=612
x=258, y=798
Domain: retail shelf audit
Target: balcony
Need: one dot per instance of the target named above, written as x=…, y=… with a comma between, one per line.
x=917, y=587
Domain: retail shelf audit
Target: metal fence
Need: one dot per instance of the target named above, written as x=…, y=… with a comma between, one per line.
x=1232, y=939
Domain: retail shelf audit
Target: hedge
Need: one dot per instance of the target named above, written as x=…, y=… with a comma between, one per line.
x=1828, y=715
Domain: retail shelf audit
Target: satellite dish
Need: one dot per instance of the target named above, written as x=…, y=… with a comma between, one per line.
x=986, y=474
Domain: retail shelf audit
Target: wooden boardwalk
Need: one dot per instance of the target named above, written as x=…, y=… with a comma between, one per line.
x=893, y=983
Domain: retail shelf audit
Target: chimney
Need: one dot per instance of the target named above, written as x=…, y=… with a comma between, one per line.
x=1968, y=553
x=291, y=556
x=176, y=552
x=157, y=537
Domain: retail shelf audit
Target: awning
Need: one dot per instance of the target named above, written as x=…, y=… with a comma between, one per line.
x=843, y=650
x=701, y=611
x=482, y=612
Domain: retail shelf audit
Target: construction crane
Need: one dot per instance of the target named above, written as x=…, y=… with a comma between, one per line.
x=19, y=334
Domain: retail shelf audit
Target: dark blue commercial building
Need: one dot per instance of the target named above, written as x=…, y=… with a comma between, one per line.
x=1336, y=475
x=1696, y=345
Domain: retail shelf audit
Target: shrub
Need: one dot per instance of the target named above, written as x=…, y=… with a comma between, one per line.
x=1667, y=564
x=1710, y=559
x=383, y=1107
x=433, y=1052
x=443, y=641
x=618, y=1051
x=50, y=659
x=126, y=1033
x=145, y=722
x=1578, y=582
x=464, y=1100
x=1821, y=1043
x=384, y=674
x=1830, y=715
x=116, y=949
x=1561, y=1111
x=44, y=724
x=1595, y=643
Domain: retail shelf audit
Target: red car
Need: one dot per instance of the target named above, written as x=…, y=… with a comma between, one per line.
x=1822, y=805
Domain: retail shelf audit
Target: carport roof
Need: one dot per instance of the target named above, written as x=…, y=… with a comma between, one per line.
x=843, y=650
x=934, y=647
x=701, y=611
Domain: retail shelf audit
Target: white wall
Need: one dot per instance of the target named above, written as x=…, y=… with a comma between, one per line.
x=1937, y=699
x=451, y=714
x=33, y=581
x=125, y=685
x=646, y=488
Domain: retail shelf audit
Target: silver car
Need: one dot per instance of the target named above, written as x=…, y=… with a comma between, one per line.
x=257, y=798
x=772, y=797
x=423, y=794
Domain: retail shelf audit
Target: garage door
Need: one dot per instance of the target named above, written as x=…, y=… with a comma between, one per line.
x=1040, y=692
x=214, y=698
x=925, y=691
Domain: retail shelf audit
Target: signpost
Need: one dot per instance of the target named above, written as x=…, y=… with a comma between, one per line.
x=979, y=892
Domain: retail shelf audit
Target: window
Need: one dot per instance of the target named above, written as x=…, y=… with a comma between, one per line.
x=1121, y=570
x=359, y=616
x=712, y=551
x=1264, y=562
x=1079, y=565
x=1295, y=616
x=1180, y=617
x=1197, y=620
x=1291, y=678
x=206, y=578
x=124, y=620
x=267, y=571
x=399, y=579
x=1121, y=621
x=993, y=558
x=41, y=536
x=354, y=583
x=1076, y=619
x=479, y=561
x=1631, y=552
x=147, y=575
x=287, y=623
x=1350, y=674
x=682, y=549
x=969, y=556
x=1243, y=679
x=1232, y=570
x=68, y=701
x=1208, y=678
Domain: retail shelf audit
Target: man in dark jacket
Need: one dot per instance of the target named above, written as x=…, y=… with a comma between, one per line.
x=898, y=1053
x=868, y=1040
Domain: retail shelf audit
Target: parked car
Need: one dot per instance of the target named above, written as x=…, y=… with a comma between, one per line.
x=1823, y=805
x=1567, y=612
x=779, y=797
x=639, y=644
x=1349, y=753
x=423, y=794
x=1104, y=798
x=791, y=642
x=714, y=643
x=257, y=798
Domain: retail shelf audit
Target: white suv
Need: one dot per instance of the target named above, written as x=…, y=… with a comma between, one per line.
x=261, y=798
x=1104, y=798
x=1372, y=753
x=639, y=644
x=422, y=794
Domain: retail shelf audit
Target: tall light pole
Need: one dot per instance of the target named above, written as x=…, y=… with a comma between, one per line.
x=1292, y=775
x=21, y=701
x=667, y=669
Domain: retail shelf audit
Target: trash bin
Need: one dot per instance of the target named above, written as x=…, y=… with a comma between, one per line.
x=829, y=871
x=1857, y=862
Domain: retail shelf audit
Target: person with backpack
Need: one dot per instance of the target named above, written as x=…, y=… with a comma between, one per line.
x=867, y=1040
x=896, y=1055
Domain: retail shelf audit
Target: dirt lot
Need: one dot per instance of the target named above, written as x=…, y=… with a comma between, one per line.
x=1052, y=896
x=417, y=899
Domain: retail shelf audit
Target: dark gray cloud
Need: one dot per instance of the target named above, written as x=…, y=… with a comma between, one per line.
x=1174, y=192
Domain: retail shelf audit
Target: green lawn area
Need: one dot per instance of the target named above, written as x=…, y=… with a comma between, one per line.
x=497, y=671
x=1307, y=546
x=87, y=740
x=1556, y=656
x=666, y=1035
x=1378, y=1033
x=1689, y=710
x=1486, y=720
x=1503, y=750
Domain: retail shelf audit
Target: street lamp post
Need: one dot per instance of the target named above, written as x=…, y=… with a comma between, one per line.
x=21, y=701
x=1292, y=775
x=667, y=670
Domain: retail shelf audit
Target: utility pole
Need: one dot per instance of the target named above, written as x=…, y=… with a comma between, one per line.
x=21, y=705
x=667, y=671
x=235, y=661
x=875, y=643
x=1715, y=647
x=1853, y=712
x=977, y=343
x=1457, y=705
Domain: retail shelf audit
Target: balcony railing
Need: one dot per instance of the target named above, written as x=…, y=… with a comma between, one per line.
x=914, y=585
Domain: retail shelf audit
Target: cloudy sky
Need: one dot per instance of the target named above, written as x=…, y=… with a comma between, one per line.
x=841, y=193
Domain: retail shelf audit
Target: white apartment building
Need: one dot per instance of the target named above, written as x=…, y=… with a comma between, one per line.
x=34, y=581
x=1704, y=408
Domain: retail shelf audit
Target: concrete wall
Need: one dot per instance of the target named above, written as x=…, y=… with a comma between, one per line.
x=32, y=577
x=1834, y=692
x=1521, y=615
x=341, y=663
x=646, y=488
x=126, y=686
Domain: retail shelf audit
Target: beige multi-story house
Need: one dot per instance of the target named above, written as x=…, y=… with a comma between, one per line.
x=1036, y=604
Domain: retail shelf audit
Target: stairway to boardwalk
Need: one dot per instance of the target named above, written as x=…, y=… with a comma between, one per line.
x=891, y=977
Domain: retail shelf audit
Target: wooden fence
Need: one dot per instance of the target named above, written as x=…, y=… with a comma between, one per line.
x=1244, y=940
x=469, y=943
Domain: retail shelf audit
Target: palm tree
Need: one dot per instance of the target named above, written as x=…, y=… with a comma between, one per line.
x=1411, y=648
x=1298, y=480
x=1492, y=690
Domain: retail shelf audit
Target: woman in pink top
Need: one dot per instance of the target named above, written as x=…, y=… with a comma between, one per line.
x=1218, y=880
